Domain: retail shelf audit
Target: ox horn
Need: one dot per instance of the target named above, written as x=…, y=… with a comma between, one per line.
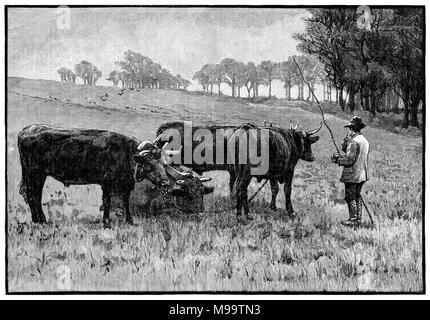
x=309, y=133
x=144, y=144
x=177, y=175
x=157, y=139
x=205, y=179
x=142, y=153
x=295, y=126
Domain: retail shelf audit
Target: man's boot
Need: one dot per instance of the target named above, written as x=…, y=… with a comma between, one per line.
x=359, y=206
x=352, y=209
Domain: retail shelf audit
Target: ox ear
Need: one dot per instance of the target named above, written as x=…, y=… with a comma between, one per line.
x=156, y=153
x=313, y=139
x=138, y=159
x=208, y=189
x=141, y=157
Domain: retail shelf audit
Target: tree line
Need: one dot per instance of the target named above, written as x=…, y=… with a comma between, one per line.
x=136, y=71
x=238, y=75
x=85, y=70
x=375, y=55
x=139, y=71
x=371, y=59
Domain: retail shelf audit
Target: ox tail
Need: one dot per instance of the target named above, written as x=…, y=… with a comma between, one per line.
x=23, y=189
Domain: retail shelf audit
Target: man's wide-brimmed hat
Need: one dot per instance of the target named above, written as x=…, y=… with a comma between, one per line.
x=356, y=122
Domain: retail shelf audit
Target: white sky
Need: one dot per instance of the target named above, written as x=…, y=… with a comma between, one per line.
x=180, y=39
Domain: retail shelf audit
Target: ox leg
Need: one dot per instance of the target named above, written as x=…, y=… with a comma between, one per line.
x=274, y=186
x=126, y=202
x=106, y=206
x=245, y=203
x=34, y=194
x=287, y=191
x=242, y=198
x=232, y=179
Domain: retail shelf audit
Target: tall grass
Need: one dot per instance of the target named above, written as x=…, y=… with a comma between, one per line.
x=216, y=252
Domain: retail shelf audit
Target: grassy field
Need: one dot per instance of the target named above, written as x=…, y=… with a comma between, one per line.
x=214, y=252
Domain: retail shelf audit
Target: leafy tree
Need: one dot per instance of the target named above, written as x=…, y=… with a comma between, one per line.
x=297, y=78
x=87, y=72
x=269, y=73
x=286, y=71
x=96, y=74
x=250, y=76
x=230, y=73
x=142, y=72
x=63, y=73
x=241, y=77
x=202, y=78
x=212, y=72
x=325, y=37
x=399, y=48
x=371, y=62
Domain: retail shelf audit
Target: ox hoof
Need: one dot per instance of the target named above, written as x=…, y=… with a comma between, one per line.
x=40, y=220
x=241, y=218
x=107, y=224
x=292, y=214
x=130, y=222
x=244, y=218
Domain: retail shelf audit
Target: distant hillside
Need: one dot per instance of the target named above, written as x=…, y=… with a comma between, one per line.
x=140, y=112
x=170, y=103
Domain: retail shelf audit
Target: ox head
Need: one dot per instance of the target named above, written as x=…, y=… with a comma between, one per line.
x=306, y=141
x=185, y=193
x=189, y=193
x=150, y=164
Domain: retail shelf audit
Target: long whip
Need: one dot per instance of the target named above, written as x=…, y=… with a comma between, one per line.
x=319, y=106
x=331, y=133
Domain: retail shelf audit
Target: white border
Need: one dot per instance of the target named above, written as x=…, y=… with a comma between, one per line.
x=191, y=296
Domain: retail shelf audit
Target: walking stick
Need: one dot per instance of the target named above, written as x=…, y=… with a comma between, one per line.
x=331, y=133
x=368, y=211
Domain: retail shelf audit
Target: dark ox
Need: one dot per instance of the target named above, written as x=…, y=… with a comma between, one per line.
x=184, y=194
x=286, y=147
x=78, y=157
x=201, y=168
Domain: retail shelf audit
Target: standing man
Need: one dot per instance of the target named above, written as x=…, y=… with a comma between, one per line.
x=355, y=169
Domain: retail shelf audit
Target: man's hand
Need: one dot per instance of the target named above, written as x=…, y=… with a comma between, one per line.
x=335, y=157
x=344, y=144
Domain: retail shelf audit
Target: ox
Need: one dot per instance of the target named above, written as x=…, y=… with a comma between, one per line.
x=286, y=147
x=201, y=167
x=184, y=194
x=77, y=156
x=204, y=167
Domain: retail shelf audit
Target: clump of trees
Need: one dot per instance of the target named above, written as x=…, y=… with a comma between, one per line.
x=117, y=76
x=250, y=76
x=371, y=59
x=88, y=72
x=66, y=75
x=139, y=71
x=375, y=55
x=136, y=71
